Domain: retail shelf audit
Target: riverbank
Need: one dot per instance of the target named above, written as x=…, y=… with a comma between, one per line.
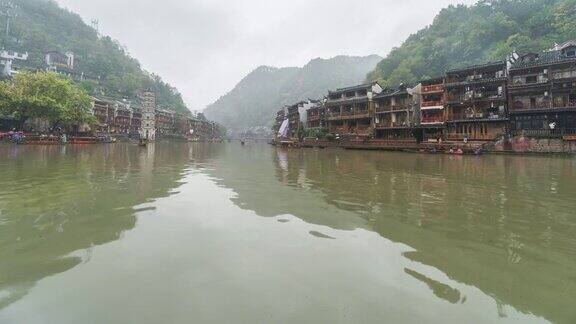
x=521, y=145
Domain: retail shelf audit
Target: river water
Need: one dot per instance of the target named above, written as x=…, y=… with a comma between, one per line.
x=205, y=233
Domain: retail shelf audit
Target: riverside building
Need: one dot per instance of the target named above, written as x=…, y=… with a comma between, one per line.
x=476, y=102
x=542, y=92
x=349, y=111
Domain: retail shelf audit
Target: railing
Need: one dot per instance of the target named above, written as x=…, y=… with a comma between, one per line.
x=569, y=104
x=433, y=88
x=462, y=136
x=383, y=108
x=399, y=108
x=565, y=74
x=519, y=105
x=477, y=115
x=432, y=104
x=384, y=124
x=488, y=95
x=359, y=114
x=520, y=83
x=391, y=108
x=456, y=98
x=432, y=120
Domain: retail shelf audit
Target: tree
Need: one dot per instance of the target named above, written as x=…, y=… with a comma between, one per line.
x=48, y=96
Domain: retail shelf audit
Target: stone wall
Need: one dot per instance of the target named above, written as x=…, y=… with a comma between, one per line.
x=521, y=144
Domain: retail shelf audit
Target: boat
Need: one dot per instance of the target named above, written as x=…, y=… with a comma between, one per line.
x=143, y=142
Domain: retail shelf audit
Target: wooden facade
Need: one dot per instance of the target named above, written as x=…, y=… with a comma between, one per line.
x=294, y=124
x=476, y=103
x=394, y=114
x=542, y=92
x=315, y=117
x=532, y=95
x=120, y=118
x=350, y=111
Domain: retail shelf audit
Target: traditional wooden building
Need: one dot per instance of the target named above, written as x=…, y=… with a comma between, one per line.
x=122, y=119
x=431, y=122
x=294, y=124
x=394, y=114
x=165, y=125
x=349, y=111
x=542, y=92
x=315, y=116
x=475, y=100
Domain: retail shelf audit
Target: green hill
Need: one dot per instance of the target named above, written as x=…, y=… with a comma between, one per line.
x=40, y=26
x=257, y=98
x=487, y=31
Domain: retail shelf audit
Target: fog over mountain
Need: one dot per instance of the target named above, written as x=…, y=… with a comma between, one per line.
x=205, y=47
x=257, y=98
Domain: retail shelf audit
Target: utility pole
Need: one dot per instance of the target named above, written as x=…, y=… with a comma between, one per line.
x=95, y=25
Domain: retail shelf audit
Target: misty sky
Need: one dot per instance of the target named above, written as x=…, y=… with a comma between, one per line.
x=204, y=47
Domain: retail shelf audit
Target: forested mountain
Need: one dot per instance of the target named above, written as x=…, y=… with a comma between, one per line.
x=464, y=35
x=40, y=26
x=257, y=98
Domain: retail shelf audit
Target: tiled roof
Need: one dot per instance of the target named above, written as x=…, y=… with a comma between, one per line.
x=543, y=59
x=355, y=88
x=432, y=81
x=478, y=66
x=391, y=92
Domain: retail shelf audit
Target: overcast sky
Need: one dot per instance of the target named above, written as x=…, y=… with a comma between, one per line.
x=204, y=47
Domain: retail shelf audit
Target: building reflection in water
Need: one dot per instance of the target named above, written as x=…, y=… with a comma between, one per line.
x=58, y=200
x=502, y=224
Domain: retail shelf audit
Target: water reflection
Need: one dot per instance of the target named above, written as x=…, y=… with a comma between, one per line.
x=502, y=224
x=57, y=200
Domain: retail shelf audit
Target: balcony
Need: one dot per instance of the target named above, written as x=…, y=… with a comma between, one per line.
x=313, y=117
x=527, y=105
x=521, y=82
x=348, y=115
x=432, y=105
x=475, y=116
x=488, y=95
x=433, y=89
x=382, y=109
x=451, y=99
x=432, y=120
x=566, y=103
x=384, y=124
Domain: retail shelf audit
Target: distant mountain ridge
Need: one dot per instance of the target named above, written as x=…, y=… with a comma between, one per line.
x=256, y=98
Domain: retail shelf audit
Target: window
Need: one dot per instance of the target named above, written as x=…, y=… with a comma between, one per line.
x=531, y=79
